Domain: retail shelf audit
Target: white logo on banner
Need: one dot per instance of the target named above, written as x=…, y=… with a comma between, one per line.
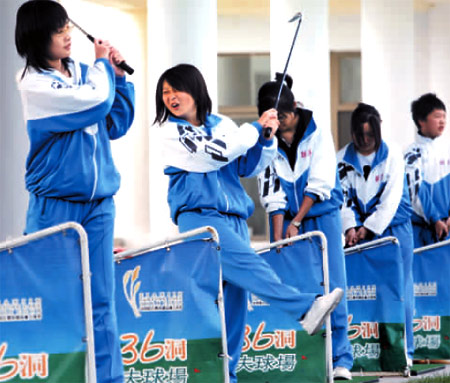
x=130, y=278
x=362, y=293
x=161, y=301
x=155, y=301
x=21, y=310
x=425, y=289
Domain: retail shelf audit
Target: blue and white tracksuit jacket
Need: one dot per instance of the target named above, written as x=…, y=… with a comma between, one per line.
x=71, y=176
x=380, y=202
x=428, y=175
x=204, y=165
x=282, y=190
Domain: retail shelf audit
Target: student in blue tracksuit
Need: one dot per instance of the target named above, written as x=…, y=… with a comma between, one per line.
x=376, y=199
x=428, y=172
x=205, y=156
x=301, y=192
x=72, y=111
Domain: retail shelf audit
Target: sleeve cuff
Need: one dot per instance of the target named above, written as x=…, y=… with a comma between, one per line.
x=261, y=140
x=276, y=212
x=120, y=80
x=313, y=196
x=258, y=126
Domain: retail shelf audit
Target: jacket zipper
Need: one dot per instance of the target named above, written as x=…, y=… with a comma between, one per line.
x=294, y=182
x=94, y=161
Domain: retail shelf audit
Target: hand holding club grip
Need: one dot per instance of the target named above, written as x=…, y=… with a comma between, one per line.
x=122, y=65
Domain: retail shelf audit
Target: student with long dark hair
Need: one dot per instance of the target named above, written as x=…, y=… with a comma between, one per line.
x=72, y=112
x=376, y=199
x=301, y=192
x=205, y=156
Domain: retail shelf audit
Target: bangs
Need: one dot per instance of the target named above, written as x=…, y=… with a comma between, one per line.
x=55, y=17
x=178, y=82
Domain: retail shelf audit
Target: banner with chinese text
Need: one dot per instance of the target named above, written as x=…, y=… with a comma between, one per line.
x=431, y=271
x=375, y=295
x=276, y=348
x=168, y=317
x=42, y=323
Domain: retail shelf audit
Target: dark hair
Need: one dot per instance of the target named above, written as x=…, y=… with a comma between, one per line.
x=268, y=93
x=36, y=22
x=185, y=78
x=362, y=114
x=423, y=106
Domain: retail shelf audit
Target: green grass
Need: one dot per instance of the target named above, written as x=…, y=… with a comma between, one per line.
x=434, y=379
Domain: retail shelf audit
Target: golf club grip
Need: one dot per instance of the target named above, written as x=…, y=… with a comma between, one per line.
x=123, y=65
x=267, y=132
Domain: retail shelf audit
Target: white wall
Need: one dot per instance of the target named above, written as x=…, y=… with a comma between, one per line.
x=345, y=32
x=13, y=134
x=243, y=34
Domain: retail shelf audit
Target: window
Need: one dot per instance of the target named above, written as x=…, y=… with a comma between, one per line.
x=345, y=69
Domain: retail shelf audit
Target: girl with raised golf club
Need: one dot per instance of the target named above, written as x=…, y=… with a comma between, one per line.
x=72, y=111
x=205, y=155
x=301, y=192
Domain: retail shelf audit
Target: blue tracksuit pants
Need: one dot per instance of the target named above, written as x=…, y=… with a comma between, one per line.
x=243, y=270
x=97, y=218
x=331, y=226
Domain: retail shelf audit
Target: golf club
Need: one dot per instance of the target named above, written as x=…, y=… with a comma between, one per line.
x=123, y=65
x=297, y=16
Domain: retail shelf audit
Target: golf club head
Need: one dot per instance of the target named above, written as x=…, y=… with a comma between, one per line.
x=297, y=16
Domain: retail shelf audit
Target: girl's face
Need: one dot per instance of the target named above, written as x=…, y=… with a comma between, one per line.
x=180, y=104
x=288, y=125
x=433, y=126
x=368, y=142
x=60, y=45
x=288, y=121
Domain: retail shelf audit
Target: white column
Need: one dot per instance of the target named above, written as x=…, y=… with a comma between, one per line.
x=178, y=32
x=439, y=54
x=387, y=54
x=13, y=134
x=309, y=65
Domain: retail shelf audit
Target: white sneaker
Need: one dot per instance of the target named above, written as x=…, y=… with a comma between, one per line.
x=319, y=311
x=342, y=373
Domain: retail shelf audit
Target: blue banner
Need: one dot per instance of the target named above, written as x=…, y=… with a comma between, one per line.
x=276, y=349
x=431, y=271
x=168, y=317
x=42, y=324
x=375, y=295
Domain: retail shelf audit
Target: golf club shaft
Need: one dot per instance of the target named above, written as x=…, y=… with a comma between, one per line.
x=122, y=65
x=268, y=131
